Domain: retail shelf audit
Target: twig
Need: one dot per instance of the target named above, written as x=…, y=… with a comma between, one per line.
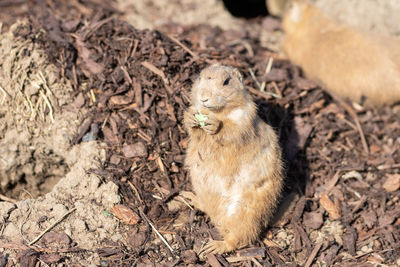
x=41, y=76
x=4, y=94
x=158, y=72
x=278, y=92
x=51, y=226
x=267, y=70
x=193, y=54
x=248, y=47
x=185, y=202
x=134, y=49
x=312, y=255
x=46, y=100
x=93, y=96
x=359, y=204
x=355, y=118
x=4, y=198
x=269, y=65
x=136, y=191
x=155, y=230
x=147, y=219
x=265, y=95
x=255, y=79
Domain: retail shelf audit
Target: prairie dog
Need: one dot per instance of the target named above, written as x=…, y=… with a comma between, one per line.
x=234, y=159
x=351, y=63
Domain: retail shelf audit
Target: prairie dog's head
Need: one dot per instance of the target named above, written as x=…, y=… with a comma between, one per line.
x=294, y=13
x=218, y=87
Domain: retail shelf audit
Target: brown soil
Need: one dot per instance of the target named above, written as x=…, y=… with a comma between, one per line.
x=342, y=200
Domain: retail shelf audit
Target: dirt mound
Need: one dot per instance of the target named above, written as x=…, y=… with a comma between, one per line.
x=32, y=144
x=37, y=124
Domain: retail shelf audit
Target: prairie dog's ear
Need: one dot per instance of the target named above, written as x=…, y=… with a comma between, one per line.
x=237, y=73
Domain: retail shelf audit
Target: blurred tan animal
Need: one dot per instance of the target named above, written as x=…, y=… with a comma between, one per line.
x=233, y=157
x=276, y=7
x=351, y=63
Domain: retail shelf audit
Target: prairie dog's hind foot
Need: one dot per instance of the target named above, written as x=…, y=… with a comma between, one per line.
x=217, y=247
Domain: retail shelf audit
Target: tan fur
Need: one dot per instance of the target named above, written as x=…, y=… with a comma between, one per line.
x=276, y=7
x=349, y=62
x=234, y=160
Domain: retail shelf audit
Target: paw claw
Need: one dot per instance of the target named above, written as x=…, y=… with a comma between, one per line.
x=215, y=247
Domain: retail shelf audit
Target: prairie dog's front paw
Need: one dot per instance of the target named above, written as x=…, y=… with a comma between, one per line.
x=190, y=120
x=212, y=125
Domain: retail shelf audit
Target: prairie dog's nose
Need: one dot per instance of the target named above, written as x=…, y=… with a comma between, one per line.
x=205, y=99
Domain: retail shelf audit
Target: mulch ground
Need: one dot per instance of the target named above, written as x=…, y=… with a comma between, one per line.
x=341, y=162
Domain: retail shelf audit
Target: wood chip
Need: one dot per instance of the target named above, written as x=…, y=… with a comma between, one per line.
x=392, y=182
x=332, y=208
x=125, y=214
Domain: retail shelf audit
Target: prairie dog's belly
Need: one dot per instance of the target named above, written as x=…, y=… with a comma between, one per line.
x=224, y=195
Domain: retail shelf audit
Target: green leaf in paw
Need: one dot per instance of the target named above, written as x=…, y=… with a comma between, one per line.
x=201, y=118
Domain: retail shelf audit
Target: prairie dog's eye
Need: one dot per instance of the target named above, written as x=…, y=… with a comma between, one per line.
x=227, y=80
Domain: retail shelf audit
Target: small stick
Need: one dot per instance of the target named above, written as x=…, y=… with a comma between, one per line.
x=193, y=54
x=312, y=255
x=269, y=65
x=185, y=202
x=134, y=49
x=50, y=227
x=147, y=219
x=158, y=72
x=41, y=76
x=355, y=118
x=267, y=70
x=93, y=96
x=4, y=198
x=136, y=191
x=4, y=94
x=155, y=230
x=248, y=48
x=262, y=94
x=255, y=79
x=46, y=100
x=359, y=203
x=278, y=92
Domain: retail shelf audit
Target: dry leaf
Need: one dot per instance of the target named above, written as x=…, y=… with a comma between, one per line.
x=329, y=206
x=125, y=214
x=392, y=182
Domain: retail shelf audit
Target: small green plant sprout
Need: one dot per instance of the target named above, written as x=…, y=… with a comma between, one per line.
x=201, y=118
